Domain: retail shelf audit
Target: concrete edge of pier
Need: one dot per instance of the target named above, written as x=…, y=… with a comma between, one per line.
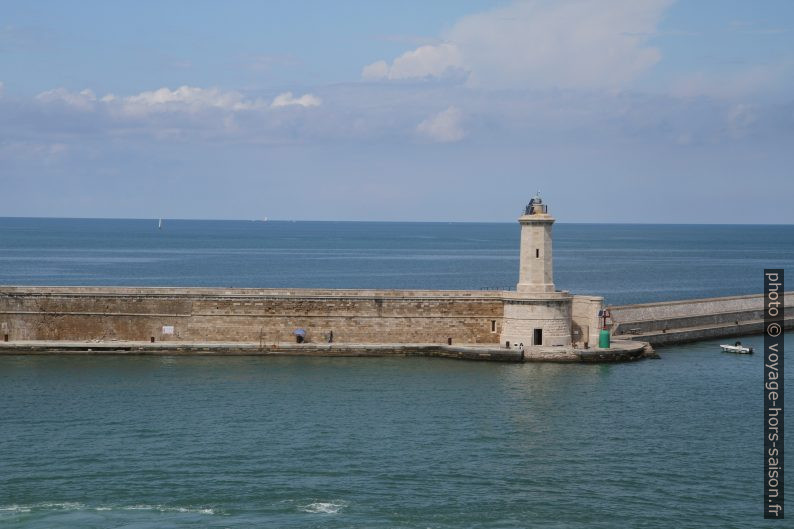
x=621, y=350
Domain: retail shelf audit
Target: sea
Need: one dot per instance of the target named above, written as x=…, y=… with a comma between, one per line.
x=249, y=442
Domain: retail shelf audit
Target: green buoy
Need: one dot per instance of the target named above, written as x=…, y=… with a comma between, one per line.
x=603, y=339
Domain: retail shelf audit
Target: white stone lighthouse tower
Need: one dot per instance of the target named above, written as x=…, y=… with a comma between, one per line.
x=536, y=314
x=535, y=272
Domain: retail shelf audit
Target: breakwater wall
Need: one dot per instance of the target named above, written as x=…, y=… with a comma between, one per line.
x=673, y=322
x=266, y=315
x=269, y=316
x=249, y=315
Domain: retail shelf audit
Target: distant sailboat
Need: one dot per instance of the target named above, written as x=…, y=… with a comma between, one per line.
x=160, y=224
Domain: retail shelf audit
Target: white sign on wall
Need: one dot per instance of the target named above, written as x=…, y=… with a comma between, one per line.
x=168, y=329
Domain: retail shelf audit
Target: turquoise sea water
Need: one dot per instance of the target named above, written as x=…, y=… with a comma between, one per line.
x=97, y=442
x=246, y=442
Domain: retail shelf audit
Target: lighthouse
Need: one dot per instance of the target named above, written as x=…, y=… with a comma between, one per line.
x=535, y=269
x=536, y=314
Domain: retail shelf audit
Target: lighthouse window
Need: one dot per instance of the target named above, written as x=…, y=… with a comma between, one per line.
x=493, y=325
x=537, y=253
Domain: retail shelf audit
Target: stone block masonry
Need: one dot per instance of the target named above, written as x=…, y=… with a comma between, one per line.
x=690, y=320
x=551, y=313
x=249, y=315
x=585, y=324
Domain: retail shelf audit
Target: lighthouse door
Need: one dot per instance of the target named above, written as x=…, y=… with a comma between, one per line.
x=537, y=337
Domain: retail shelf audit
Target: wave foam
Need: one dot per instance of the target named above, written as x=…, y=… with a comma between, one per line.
x=59, y=506
x=63, y=506
x=324, y=507
x=74, y=506
x=167, y=508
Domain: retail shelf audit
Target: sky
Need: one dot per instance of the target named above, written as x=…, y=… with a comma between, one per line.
x=616, y=110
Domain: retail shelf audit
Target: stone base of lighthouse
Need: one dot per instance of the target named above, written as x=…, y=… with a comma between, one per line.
x=550, y=319
x=539, y=319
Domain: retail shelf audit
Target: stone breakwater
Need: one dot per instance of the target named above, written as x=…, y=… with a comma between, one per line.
x=459, y=324
x=269, y=315
x=249, y=315
x=691, y=320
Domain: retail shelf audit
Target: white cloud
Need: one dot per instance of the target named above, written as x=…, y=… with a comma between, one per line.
x=376, y=70
x=184, y=98
x=393, y=114
x=444, y=127
x=287, y=99
x=424, y=61
x=83, y=100
x=541, y=43
x=185, y=112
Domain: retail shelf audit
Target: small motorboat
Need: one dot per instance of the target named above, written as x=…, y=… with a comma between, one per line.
x=737, y=348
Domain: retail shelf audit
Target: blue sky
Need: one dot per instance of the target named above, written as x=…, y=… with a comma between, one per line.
x=618, y=110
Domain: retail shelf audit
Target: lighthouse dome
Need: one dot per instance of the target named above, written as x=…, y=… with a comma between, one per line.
x=535, y=205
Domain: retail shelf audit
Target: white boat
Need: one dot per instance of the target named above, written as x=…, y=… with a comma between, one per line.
x=160, y=224
x=737, y=348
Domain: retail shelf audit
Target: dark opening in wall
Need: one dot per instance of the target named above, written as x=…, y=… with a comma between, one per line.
x=537, y=253
x=493, y=325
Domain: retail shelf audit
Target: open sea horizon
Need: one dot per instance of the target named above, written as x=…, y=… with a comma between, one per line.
x=625, y=263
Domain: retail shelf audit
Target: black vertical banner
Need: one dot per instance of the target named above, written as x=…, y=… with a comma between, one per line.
x=773, y=393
